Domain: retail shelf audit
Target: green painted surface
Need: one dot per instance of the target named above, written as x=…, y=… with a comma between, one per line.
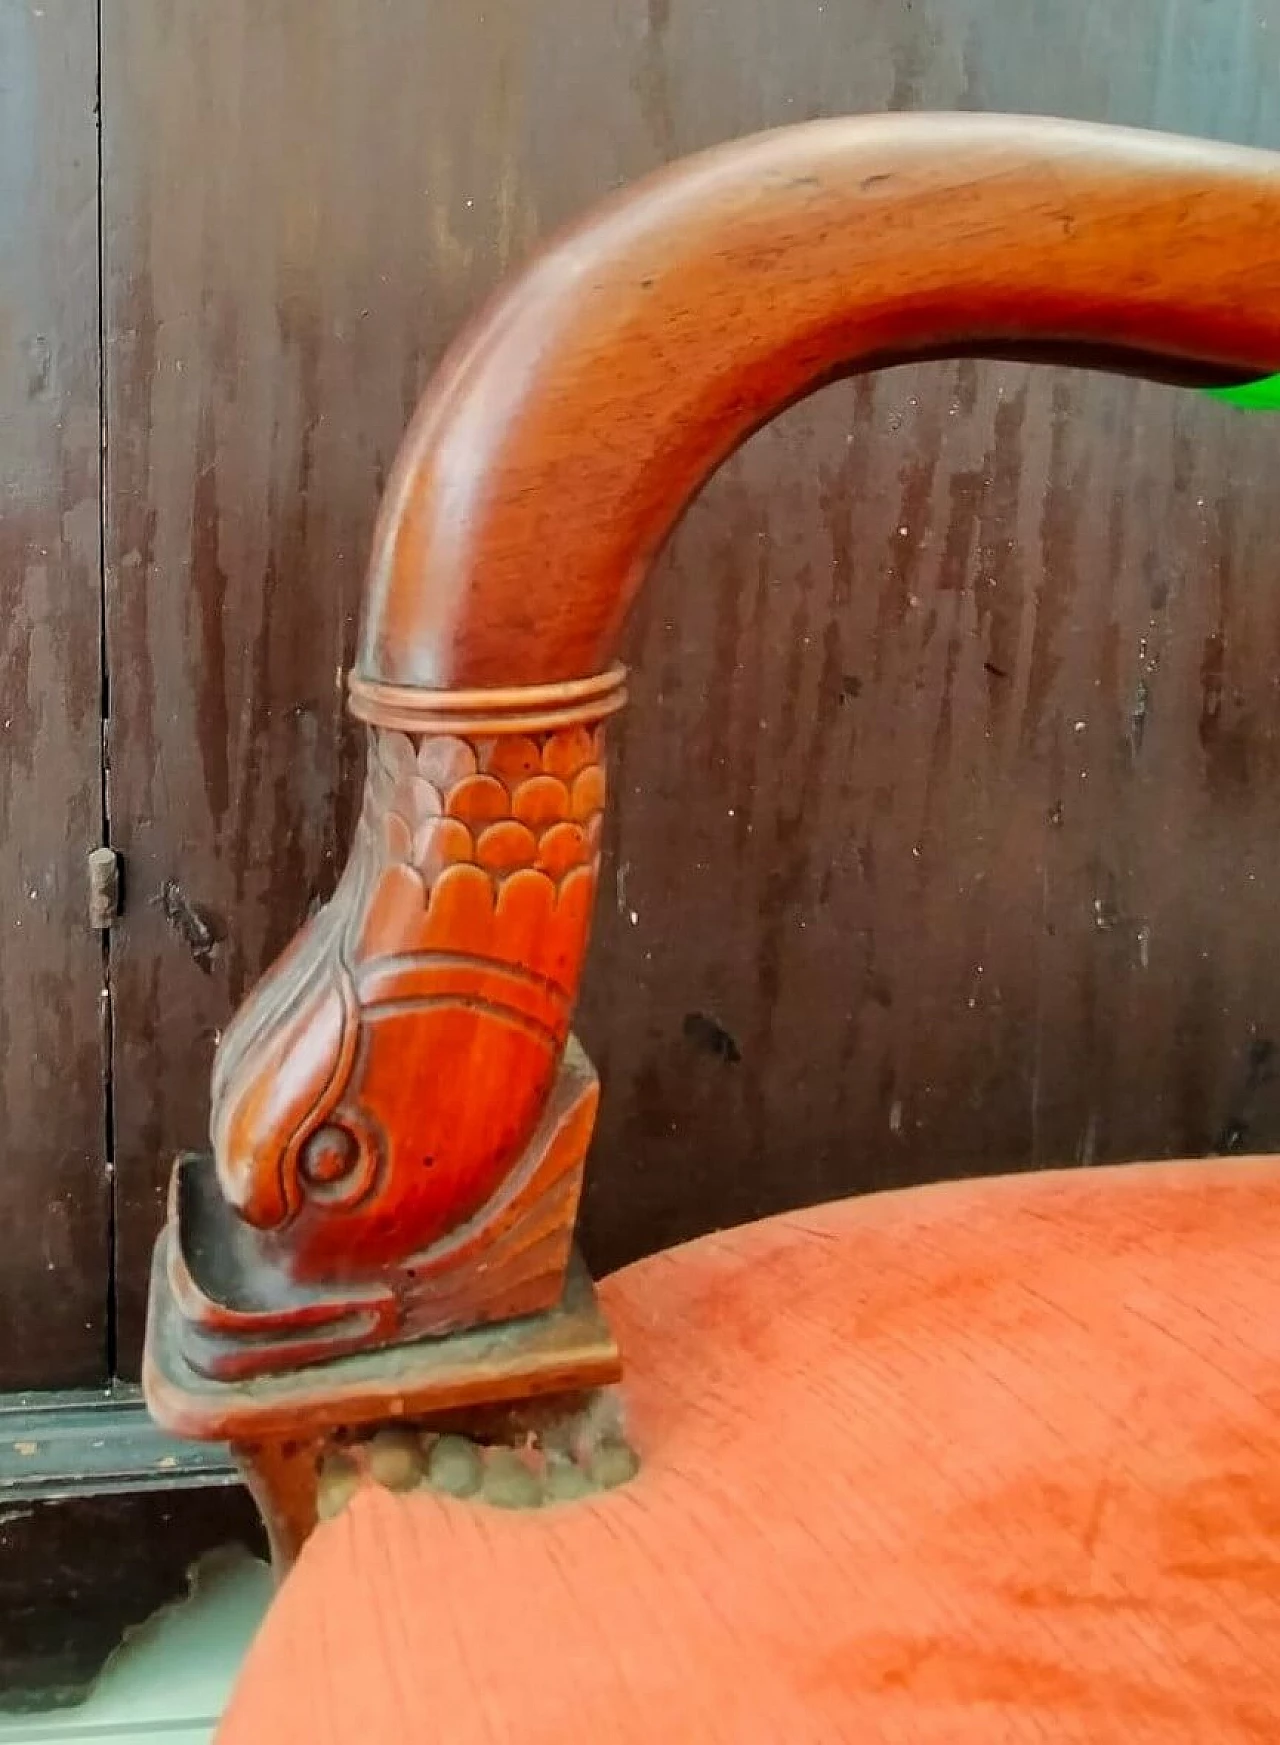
x=1262, y=396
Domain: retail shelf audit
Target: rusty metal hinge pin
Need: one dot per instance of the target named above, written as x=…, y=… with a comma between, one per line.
x=104, y=887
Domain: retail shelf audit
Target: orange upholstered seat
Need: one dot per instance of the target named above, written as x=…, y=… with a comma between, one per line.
x=987, y=1462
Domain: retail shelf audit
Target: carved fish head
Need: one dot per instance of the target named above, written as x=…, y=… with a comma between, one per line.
x=279, y=1071
x=395, y=1063
x=398, y=1093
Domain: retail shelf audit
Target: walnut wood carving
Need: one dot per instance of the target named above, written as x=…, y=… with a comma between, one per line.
x=400, y=1117
x=457, y=930
x=568, y=430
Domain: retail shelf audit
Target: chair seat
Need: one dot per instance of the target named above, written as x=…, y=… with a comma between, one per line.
x=991, y=1461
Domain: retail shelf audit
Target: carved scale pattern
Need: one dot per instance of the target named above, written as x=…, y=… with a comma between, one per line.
x=509, y=805
x=384, y=1078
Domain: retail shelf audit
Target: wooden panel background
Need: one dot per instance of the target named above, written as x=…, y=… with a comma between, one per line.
x=947, y=806
x=53, y=1181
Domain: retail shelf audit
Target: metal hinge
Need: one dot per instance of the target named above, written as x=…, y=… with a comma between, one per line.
x=104, y=887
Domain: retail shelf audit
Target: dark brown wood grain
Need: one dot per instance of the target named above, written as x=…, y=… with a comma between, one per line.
x=884, y=911
x=54, y=1283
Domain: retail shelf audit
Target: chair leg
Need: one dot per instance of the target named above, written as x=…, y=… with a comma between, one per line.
x=305, y=1440
x=283, y=1479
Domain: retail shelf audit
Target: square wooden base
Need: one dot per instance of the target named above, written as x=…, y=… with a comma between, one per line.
x=278, y=1424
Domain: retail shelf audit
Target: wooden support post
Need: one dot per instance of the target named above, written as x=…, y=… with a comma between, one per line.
x=400, y=1115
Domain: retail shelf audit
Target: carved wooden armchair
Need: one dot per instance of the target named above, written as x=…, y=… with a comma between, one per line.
x=995, y=1460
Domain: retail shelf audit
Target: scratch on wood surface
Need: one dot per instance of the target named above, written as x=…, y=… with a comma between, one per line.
x=190, y=924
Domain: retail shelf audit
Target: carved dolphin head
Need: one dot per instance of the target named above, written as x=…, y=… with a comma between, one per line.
x=279, y=1072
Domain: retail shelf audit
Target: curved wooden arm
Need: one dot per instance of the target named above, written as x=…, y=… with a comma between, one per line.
x=398, y=1106
x=568, y=430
